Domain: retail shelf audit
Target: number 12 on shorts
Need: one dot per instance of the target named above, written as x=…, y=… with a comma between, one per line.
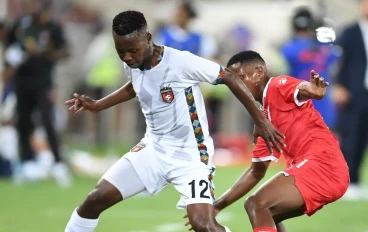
x=202, y=185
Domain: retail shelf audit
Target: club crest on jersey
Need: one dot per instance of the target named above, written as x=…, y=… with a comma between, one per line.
x=167, y=94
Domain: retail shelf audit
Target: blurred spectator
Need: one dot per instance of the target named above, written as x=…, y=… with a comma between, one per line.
x=34, y=44
x=304, y=53
x=8, y=135
x=103, y=71
x=81, y=25
x=179, y=36
x=2, y=38
x=351, y=95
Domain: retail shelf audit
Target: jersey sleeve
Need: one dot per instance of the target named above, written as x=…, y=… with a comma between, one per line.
x=198, y=69
x=287, y=88
x=261, y=154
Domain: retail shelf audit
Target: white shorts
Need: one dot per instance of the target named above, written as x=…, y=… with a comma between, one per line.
x=155, y=170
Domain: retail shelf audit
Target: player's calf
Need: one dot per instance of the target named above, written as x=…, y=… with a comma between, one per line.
x=202, y=218
x=101, y=198
x=259, y=209
x=281, y=227
x=207, y=227
x=85, y=217
x=280, y=217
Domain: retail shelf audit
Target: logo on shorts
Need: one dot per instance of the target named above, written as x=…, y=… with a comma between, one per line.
x=167, y=94
x=138, y=147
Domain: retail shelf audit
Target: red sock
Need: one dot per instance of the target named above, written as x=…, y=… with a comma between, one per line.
x=264, y=229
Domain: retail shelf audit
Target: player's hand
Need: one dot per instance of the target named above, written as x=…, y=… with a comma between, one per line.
x=188, y=223
x=316, y=87
x=268, y=132
x=217, y=211
x=81, y=103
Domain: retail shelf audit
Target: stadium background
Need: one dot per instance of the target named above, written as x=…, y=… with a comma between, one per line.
x=91, y=147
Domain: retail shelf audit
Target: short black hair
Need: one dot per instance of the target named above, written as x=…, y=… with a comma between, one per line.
x=128, y=21
x=303, y=19
x=245, y=57
x=189, y=8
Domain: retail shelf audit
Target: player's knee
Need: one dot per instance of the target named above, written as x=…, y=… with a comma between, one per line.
x=253, y=203
x=91, y=206
x=99, y=200
x=97, y=197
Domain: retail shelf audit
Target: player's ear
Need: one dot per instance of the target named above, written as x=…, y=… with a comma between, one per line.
x=260, y=71
x=149, y=37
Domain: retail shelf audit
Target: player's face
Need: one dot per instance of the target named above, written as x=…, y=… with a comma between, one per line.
x=182, y=16
x=133, y=49
x=252, y=76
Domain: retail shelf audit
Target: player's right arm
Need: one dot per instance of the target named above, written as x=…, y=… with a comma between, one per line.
x=197, y=69
x=261, y=159
x=81, y=103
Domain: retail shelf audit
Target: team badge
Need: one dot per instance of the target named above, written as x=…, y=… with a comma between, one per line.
x=167, y=94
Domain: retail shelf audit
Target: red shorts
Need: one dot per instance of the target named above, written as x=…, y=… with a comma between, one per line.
x=319, y=183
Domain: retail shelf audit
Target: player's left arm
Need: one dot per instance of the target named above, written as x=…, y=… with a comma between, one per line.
x=261, y=159
x=314, y=89
x=246, y=182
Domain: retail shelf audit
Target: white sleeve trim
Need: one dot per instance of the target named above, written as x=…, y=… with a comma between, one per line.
x=267, y=158
x=296, y=100
x=285, y=173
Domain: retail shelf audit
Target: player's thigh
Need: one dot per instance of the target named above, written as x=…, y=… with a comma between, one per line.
x=123, y=178
x=279, y=194
x=138, y=170
x=195, y=186
x=319, y=183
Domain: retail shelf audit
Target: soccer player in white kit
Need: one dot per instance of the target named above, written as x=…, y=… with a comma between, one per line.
x=177, y=147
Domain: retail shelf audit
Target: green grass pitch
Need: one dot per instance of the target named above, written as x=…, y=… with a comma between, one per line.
x=44, y=207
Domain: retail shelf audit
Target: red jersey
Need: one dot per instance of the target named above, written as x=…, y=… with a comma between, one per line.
x=307, y=135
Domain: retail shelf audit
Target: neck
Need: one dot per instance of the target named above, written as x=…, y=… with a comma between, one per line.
x=183, y=26
x=264, y=83
x=153, y=56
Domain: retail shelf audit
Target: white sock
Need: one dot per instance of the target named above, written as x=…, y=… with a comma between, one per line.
x=79, y=224
x=227, y=229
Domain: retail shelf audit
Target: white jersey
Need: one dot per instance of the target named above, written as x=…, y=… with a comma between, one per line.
x=173, y=105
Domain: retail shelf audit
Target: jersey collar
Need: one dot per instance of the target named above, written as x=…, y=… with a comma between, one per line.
x=160, y=57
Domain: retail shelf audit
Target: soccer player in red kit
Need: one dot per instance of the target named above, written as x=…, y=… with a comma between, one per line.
x=316, y=173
